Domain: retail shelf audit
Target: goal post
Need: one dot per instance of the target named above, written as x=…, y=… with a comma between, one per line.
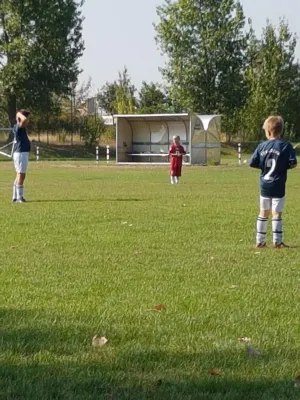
x=6, y=143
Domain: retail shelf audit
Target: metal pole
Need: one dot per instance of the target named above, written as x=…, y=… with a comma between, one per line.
x=37, y=154
x=97, y=154
x=107, y=154
x=240, y=153
x=117, y=139
x=190, y=139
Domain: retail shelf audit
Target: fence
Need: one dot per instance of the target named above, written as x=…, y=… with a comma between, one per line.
x=244, y=150
x=57, y=147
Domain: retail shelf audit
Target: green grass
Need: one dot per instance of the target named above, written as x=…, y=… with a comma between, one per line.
x=71, y=268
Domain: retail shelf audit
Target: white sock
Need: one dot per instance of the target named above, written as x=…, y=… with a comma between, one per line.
x=172, y=179
x=20, y=191
x=14, y=191
x=176, y=179
x=277, y=227
x=261, y=230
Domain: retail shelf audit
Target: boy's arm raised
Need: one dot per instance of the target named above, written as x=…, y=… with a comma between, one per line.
x=21, y=119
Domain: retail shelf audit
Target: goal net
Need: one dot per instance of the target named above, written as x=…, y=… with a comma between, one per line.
x=6, y=143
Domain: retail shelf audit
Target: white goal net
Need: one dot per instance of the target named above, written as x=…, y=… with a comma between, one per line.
x=6, y=143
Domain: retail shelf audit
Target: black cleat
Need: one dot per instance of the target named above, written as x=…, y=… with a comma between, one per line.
x=261, y=245
x=281, y=246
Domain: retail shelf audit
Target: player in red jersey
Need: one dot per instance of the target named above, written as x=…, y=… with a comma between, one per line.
x=176, y=152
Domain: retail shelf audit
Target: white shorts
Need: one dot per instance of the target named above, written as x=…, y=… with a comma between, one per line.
x=268, y=203
x=21, y=162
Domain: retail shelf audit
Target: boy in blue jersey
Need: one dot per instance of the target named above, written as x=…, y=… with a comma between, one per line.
x=21, y=154
x=273, y=157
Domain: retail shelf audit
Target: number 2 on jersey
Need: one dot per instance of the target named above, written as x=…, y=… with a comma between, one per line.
x=271, y=163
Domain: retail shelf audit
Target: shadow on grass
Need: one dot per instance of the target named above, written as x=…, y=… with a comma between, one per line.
x=84, y=200
x=109, y=373
x=95, y=381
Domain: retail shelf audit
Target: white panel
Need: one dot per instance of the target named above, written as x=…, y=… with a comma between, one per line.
x=141, y=132
x=159, y=132
x=124, y=140
x=205, y=147
x=177, y=128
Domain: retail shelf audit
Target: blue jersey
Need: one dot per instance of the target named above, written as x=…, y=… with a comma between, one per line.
x=21, y=141
x=273, y=158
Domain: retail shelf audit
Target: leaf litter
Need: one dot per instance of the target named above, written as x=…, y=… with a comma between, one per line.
x=214, y=372
x=159, y=308
x=99, y=341
x=297, y=381
x=251, y=351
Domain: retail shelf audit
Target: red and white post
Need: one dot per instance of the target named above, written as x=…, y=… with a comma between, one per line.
x=97, y=154
x=240, y=153
x=107, y=154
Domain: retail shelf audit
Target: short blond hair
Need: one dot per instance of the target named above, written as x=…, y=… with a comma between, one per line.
x=274, y=124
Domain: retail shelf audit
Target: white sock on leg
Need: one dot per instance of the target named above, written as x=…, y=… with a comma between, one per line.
x=277, y=228
x=172, y=180
x=20, y=191
x=261, y=230
x=14, y=197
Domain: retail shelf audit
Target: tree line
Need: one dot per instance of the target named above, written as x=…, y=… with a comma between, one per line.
x=215, y=64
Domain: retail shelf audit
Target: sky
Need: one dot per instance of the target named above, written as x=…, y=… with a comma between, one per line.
x=120, y=33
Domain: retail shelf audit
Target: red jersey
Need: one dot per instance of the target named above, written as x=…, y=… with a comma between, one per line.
x=176, y=153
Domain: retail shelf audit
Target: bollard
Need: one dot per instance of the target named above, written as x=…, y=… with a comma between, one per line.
x=97, y=154
x=240, y=153
x=107, y=154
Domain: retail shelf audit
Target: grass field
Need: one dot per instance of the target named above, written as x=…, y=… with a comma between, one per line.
x=96, y=248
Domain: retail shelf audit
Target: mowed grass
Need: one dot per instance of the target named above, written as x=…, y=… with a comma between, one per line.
x=97, y=247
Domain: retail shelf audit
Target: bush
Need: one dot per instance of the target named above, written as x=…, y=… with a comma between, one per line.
x=62, y=136
x=91, y=129
x=110, y=133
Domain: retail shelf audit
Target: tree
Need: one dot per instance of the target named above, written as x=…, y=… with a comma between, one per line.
x=40, y=43
x=205, y=43
x=125, y=94
x=91, y=129
x=82, y=92
x=107, y=98
x=273, y=80
x=152, y=99
x=118, y=97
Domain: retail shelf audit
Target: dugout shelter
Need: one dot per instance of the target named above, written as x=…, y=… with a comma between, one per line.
x=146, y=138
